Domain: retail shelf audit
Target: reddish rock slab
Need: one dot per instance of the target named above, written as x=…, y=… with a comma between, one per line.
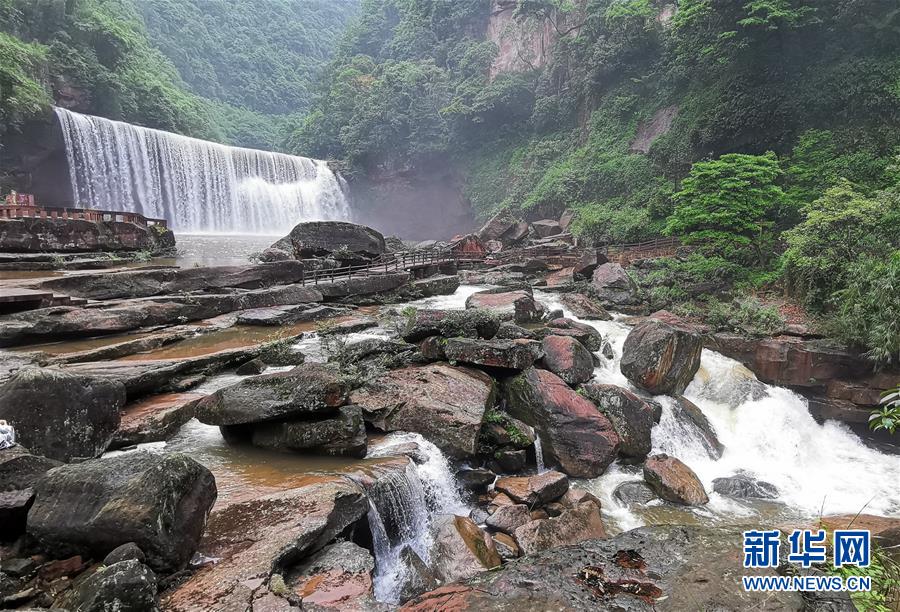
x=574, y=434
x=534, y=491
x=583, y=522
x=584, y=307
x=155, y=418
x=255, y=539
x=519, y=306
x=445, y=404
x=506, y=354
x=461, y=549
x=662, y=355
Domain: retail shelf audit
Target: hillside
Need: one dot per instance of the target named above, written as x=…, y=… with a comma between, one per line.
x=607, y=106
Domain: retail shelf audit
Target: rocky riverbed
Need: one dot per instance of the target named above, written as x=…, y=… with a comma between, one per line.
x=235, y=440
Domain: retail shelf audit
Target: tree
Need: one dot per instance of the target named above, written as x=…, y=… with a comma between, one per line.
x=723, y=203
x=838, y=229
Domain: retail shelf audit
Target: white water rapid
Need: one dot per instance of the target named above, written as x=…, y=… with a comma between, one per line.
x=401, y=507
x=198, y=186
x=767, y=432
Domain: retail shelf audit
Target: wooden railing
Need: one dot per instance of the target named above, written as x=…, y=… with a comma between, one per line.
x=18, y=211
x=625, y=253
x=391, y=263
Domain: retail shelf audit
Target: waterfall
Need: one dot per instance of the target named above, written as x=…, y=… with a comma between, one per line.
x=538, y=453
x=768, y=433
x=401, y=507
x=198, y=186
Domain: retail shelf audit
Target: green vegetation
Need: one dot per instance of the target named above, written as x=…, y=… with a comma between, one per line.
x=884, y=571
x=716, y=124
x=226, y=71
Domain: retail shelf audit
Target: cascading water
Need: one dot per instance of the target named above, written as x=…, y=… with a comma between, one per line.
x=538, y=454
x=401, y=507
x=198, y=186
x=767, y=432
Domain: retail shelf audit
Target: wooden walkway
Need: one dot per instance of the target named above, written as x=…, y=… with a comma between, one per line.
x=392, y=263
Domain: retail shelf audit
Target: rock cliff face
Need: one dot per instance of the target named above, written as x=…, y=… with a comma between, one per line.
x=79, y=236
x=34, y=161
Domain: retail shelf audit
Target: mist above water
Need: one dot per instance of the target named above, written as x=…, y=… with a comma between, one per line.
x=197, y=185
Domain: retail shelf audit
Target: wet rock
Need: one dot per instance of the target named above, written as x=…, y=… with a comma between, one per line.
x=568, y=359
x=546, y=228
x=321, y=238
x=154, y=419
x=18, y=567
x=575, y=496
x=461, y=549
x=38, y=401
x=432, y=348
x=505, y=354
x=445, y=404
x=636, y=492
x=337, y=577
x=518, y=306
x=444, y=284
x=584, y=333
x=369, y=348
x=613, y=286
x=511, y=331
x=574, y=434
x=286, y=315
x=742, y=486
x=662, y=356
x=19, y=469
x=673, y=481
x=418, y=579
x=251, y=368
x=254, y=539
x=559, y=280
x=590, y=259
x=509, y=461
x=506, y=546
x=503, y=430
x=127, y=586
x=584, y=307
x=664, y=568
x=509, y=518
x=42, y=235
x=693, y=418
x=497, y=227
x=343, y=435
x=307, y=389
x=126, y=552
x=477, y=480
x=632, y=417
x=158, y=502
x=14, y=507
x=583, y=522
x=471, y=323
x=534, y=491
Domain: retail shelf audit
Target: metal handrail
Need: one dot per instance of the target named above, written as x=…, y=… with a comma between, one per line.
x=29, y=211
x=390, y=262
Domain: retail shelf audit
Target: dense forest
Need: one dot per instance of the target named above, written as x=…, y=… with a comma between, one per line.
x=712, y=122
x=206, y=69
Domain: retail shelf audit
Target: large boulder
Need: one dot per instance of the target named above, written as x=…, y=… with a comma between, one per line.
x=61, y=415
x=742, y=486
x=662, y=355
x=505, y=354
x=574, y=434
x=461, y=549
x=546, y=228
x=587, y=263
x=613, y=286
x=497, y=227
x=692, y=419
x=306, y=390
x=585, y=307
x=42, y=235
x=158, y=502
x=674, y=481
x=341, y=435
x=445, y=404
x=320, y=238
x=534, y=491
x=567, y=358
x=583, y=522
x=424, y=323
x=519, y=306
x=255, y=539
x=632, y=417
x=509, y=518
x=584, y=333
x=127, y=586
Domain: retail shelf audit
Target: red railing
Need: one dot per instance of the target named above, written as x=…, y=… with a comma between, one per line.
x=30, y=211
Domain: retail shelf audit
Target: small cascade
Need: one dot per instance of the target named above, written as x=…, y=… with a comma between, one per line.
x=198, y=186
x=401, y=507
x=767, y=432
x=538, y=453
x=7, y=435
